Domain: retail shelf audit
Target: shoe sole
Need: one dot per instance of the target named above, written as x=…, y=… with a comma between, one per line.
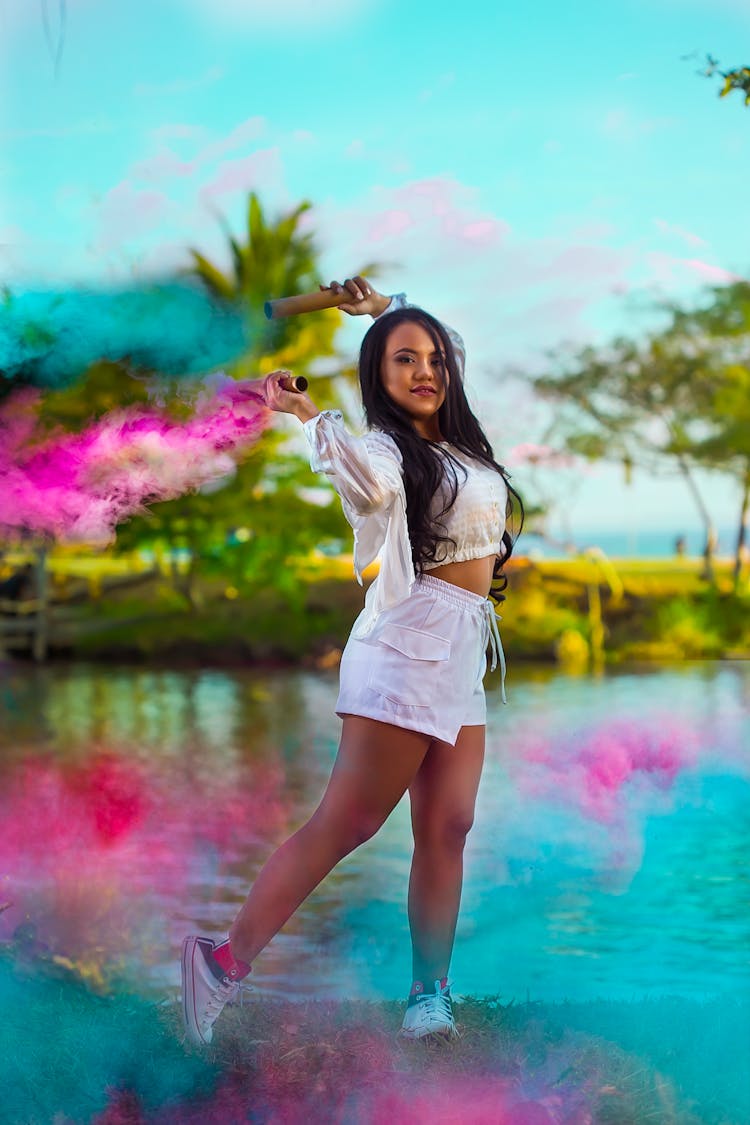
x=189, y=1019
x=447, y=1033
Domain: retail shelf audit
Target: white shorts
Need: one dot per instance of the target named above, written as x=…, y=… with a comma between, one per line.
x=421, y=667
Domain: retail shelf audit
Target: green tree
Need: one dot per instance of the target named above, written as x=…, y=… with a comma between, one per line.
x=719, y=334
x=736, y=79
x=277, y=258
x=622, y=403
x=672, y=403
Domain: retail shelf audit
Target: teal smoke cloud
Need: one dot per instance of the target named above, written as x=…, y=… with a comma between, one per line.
x=49, y=338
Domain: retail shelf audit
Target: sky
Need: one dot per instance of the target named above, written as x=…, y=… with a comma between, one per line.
x=536, y=175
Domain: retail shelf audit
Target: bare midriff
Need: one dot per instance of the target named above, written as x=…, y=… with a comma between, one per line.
x=473, y=574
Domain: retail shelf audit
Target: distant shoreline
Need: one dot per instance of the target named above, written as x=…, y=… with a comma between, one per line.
x=577, y=611
x=623, y=545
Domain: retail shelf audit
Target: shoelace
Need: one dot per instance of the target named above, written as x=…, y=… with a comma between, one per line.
x=221, y=995
x=440, y=1004
x=437, y=1005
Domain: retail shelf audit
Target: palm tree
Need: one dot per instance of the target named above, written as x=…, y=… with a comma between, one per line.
x=276, y=259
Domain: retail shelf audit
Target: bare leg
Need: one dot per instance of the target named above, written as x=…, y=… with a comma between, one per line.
x=443, y=795
x=373, y=769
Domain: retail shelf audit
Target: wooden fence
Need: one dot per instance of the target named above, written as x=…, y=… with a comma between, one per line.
x=58, y=612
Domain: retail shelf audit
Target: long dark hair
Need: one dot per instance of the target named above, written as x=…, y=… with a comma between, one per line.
x=425, y=462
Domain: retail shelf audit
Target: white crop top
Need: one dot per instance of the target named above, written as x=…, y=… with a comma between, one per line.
x=476, y=520
x=366, y=473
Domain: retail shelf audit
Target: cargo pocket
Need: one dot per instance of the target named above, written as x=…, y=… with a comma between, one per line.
x=406, y=665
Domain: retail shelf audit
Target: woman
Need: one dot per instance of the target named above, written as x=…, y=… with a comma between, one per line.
x=422, y=486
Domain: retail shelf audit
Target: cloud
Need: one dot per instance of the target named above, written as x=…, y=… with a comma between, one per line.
x=159, y=205
x=507, y=293
x=261, y=171
x=125, y=211
x=165, y=163
x=448, y=205
x=513, y=295
x=179, y=85
x=390, y=223
x=249, y=130
x=685, y=235
x=668, y=269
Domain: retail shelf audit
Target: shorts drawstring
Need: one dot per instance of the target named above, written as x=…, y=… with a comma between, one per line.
x=496, y=645
x=467, y=599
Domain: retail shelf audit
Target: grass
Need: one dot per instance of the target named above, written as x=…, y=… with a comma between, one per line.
x=528, y=1064
x=658, y=610
x=71, y=1056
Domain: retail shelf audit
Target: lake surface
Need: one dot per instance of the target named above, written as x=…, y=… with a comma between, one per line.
x=640, y=543
x=608, y=857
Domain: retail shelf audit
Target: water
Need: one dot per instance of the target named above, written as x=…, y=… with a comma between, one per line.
x=608, y=857
x=643, y=543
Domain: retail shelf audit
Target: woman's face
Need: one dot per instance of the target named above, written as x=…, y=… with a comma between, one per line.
x=414, y=375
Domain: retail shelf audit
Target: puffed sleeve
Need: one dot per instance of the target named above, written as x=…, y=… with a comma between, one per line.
x=399, y=301
x=366, y=473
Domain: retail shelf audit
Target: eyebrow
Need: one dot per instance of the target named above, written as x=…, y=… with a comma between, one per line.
x=412, y=351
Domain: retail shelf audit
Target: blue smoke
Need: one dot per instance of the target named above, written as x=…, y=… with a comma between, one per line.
x=49, y=339
x=66, y=1052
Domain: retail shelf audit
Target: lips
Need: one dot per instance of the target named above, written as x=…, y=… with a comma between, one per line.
x=423, y=391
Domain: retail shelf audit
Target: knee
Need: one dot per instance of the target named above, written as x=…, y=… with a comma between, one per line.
x=348, y=829
x=447, y=832
x=361, y=826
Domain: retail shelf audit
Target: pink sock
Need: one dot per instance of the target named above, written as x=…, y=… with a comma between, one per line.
x=233, y=967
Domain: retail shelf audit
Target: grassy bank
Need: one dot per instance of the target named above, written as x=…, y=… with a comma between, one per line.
x=521, y=1064
x=119, y=1059
x=626, y=610
x=572, y=611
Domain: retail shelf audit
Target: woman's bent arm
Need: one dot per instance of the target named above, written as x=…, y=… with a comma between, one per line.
x=365, y=471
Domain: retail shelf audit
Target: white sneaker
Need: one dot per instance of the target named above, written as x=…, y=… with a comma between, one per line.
x=203, y=994
x=430, y=1015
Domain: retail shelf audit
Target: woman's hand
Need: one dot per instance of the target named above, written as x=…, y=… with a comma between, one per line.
x=365, y=298
x=287, y=402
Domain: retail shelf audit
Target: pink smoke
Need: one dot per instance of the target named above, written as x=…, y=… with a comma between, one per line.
x=80, y=486
x=99, y=855
x=598, y=770
x=530, y=453
x=361, y=1074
